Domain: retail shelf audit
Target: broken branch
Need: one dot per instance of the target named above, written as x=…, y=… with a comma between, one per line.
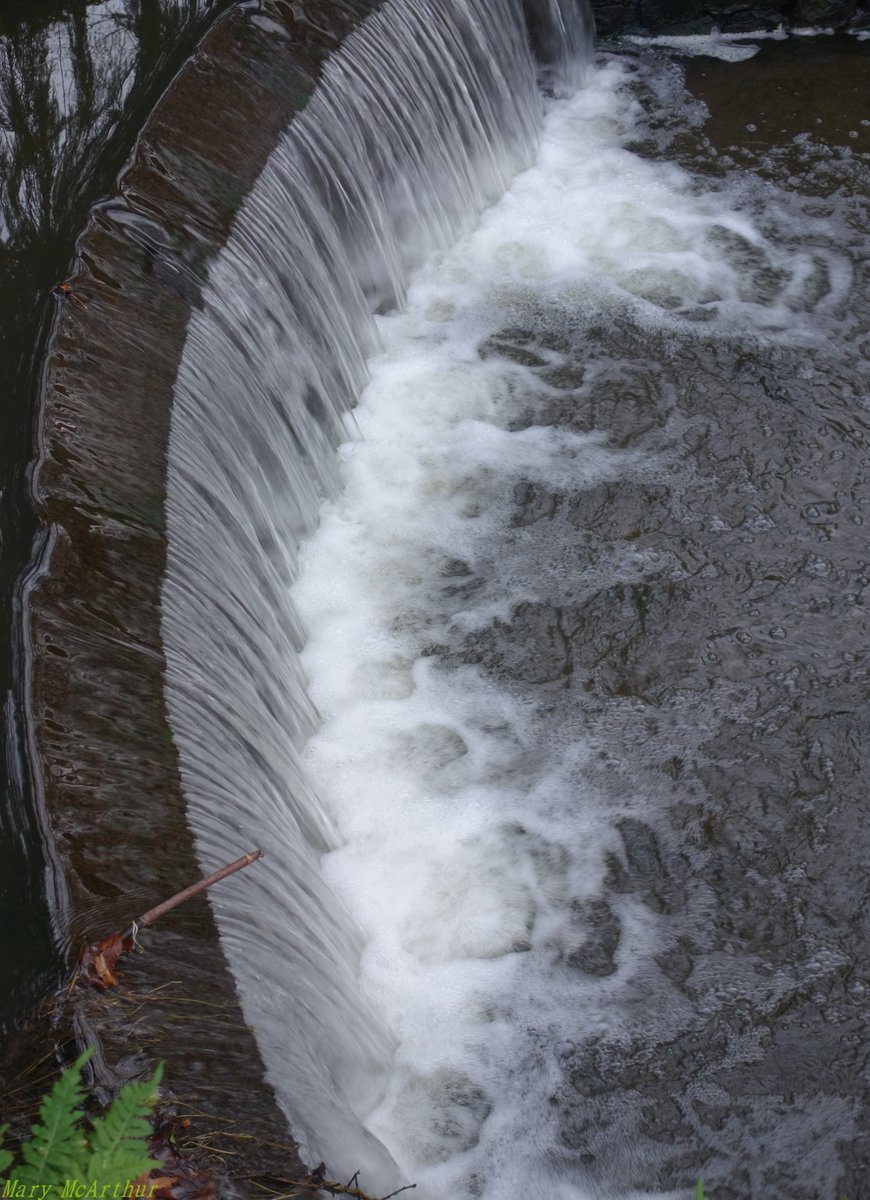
x=334, y=1188
x=96, y=965
x=195, y=888
x=315, y=1181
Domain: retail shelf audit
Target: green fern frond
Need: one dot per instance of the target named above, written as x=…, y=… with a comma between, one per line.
x=5, y=1156
x=56, y=1147
x=119, y=1141
x=699, y=1190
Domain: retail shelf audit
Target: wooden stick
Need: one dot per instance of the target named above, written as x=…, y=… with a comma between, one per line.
x=97, y=963
x=195, y=888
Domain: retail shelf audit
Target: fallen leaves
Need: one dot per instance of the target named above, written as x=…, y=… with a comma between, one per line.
x=96, y=965
x=65, y=292
x=180, y=1179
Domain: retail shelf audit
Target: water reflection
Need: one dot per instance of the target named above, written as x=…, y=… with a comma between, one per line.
x=77, y=82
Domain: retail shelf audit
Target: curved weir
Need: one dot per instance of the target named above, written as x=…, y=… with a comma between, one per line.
x=514, y=577
x=421, y=120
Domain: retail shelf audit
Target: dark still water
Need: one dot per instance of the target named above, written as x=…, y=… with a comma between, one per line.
x=77, y=82
x=554, y=727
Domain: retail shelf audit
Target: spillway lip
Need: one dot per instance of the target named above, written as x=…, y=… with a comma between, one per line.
x=106, y=772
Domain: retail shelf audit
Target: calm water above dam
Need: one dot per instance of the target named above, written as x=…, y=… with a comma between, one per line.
x=77, y=83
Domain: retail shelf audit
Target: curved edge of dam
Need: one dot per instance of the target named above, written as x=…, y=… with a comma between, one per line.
x=106, y=776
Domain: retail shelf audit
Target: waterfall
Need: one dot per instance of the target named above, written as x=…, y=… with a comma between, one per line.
x=421, y=119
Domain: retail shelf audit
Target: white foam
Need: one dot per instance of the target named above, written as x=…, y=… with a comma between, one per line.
x=730, y=47
x=469, y=829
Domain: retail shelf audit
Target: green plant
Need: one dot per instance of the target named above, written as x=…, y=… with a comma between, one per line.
x=61, y=1155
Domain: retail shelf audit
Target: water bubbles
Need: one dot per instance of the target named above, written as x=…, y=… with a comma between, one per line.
x=441, y=310
x=441, y=1114
x=821, y=511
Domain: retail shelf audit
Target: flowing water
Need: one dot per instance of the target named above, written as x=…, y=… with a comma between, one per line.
x=551, y=730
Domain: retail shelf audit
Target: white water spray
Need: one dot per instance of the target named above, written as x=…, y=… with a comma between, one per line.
x=421, y=120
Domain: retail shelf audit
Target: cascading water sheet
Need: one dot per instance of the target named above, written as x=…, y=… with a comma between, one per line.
x=420, y=120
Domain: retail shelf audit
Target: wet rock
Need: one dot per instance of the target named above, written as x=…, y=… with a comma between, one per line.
x=447, y=1111
x=534, y=502
x=678, y=961
x=596, y=955
x=625, y=510
x=644, y=871
x=515, y=344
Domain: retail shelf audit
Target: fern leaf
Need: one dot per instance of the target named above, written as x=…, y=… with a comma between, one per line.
x=56, y=1147
x=119, y=1141
x=5, y=1156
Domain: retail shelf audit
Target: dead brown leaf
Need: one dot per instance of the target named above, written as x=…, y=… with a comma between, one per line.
x=97, y=963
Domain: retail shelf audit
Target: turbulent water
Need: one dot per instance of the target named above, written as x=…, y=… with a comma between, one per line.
x=549, y=733
x=421, y=121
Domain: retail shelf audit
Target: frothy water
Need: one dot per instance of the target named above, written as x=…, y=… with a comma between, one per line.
x=434, y=932
x=475, y=844
x=421, y=120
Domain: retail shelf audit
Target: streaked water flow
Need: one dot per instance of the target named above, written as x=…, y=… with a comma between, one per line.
x=422, y=717
x=421, y=120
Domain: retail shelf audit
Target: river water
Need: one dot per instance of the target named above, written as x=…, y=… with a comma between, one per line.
x=517, y=499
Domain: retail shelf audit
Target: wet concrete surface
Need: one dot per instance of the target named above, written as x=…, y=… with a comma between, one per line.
x=77, y=83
